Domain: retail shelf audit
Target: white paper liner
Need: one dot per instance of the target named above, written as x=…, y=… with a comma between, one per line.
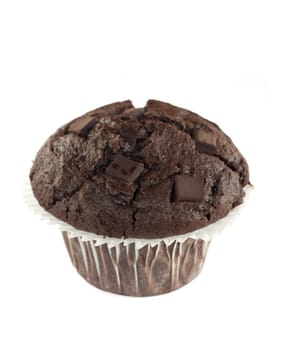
x=206, y=233
x=126, y=270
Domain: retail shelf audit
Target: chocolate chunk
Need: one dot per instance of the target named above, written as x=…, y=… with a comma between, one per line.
x=124, y=168
x=82, y=126
x=205, y=148
x=138, y=112
x=189, y=188
x=205, y=141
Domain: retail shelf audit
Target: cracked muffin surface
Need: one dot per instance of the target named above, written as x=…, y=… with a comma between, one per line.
x=149, y=172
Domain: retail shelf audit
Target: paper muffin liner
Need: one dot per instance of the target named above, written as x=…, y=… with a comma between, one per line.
x=133, y=266
x=133, y=271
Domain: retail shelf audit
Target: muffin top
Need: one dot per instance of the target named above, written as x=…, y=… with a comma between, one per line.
x=147, y=172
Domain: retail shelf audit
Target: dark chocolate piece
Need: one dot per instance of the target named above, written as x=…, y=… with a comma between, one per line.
x=205, y=148
x=138, y=112
x=189, y=188
x=124, y=168
x=205, y=141
x=82, y=125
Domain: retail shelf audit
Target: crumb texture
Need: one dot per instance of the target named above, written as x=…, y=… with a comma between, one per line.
x=123, y=171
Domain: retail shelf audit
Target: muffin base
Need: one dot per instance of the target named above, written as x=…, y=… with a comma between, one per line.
x=134, y=271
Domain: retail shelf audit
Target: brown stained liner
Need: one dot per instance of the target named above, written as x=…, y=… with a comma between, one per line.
x=144, y=272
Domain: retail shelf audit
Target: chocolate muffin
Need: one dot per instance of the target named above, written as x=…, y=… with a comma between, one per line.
x=138, y=173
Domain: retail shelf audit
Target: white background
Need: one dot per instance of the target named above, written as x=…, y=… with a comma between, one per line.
x=221, y=59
